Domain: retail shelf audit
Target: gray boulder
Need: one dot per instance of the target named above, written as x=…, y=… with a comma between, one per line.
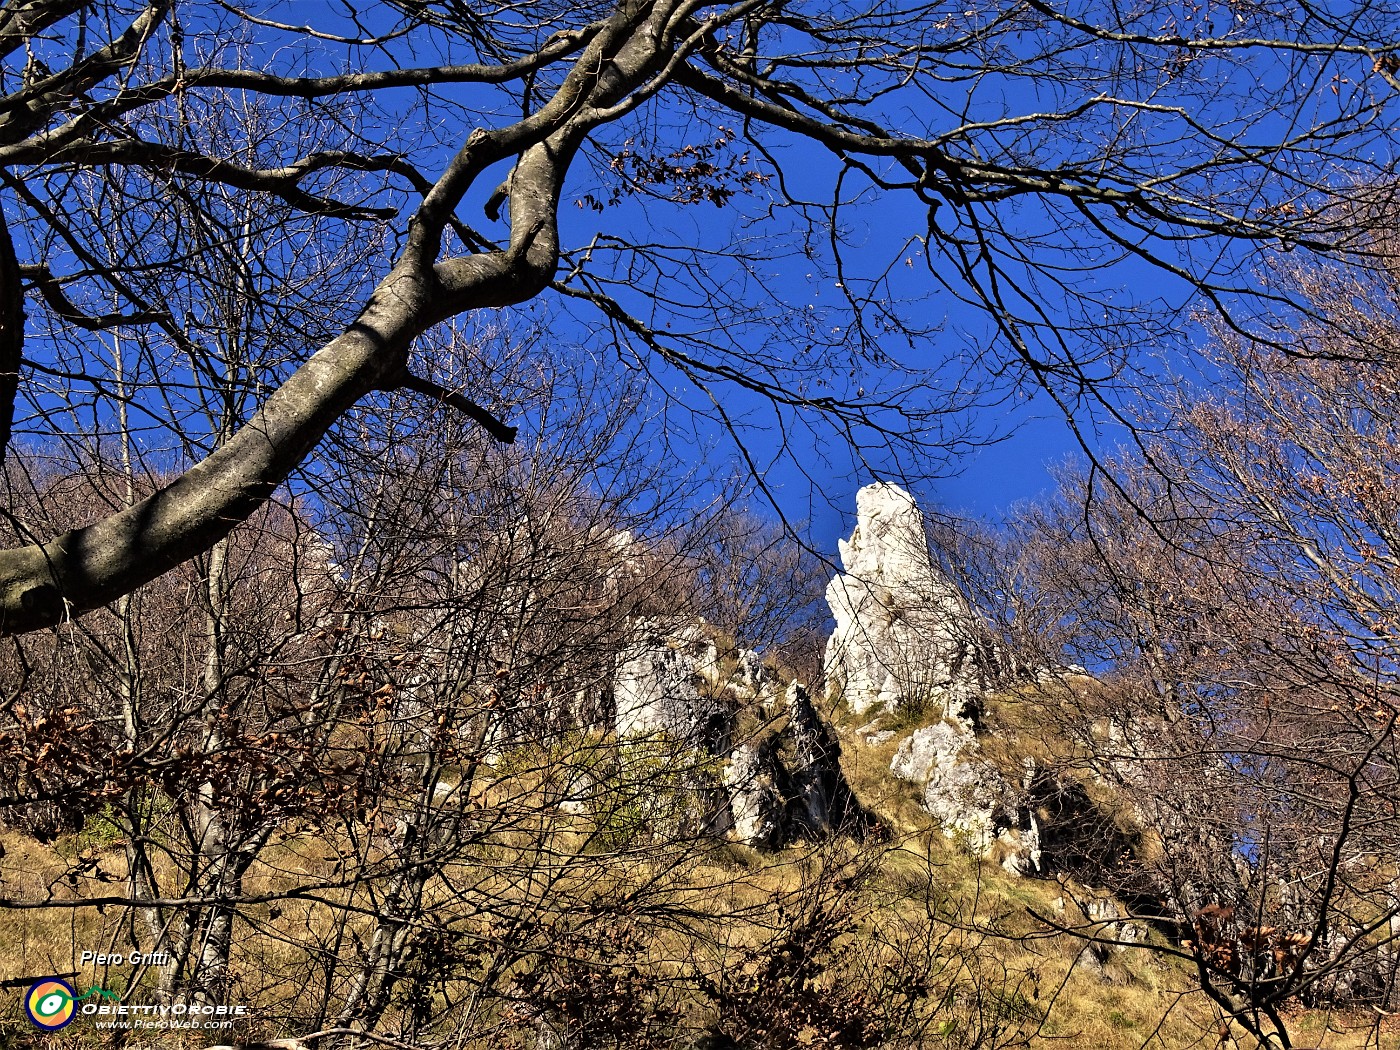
x=772, y=788
x=971, y=800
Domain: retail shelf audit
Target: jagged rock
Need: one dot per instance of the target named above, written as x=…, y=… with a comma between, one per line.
x=821, y=793
x=965, y=800
x=907, y=640
x=1019, y=845
x=752, y=673
x=679, y=686
x=967, y=796
x=666, y=683
x=919, y=755
x=904, y=635
x=754, y=800
x=1105, y=914
x=964, y=796
x=873, y=735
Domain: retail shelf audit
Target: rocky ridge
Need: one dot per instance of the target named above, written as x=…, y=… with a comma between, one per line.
x=904, y=634
x=909, y=654
x=909, y=647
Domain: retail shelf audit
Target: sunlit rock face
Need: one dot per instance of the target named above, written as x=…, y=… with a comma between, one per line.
x=779, y=778
x=908, y=643
x=756, y=803
x=666, y=683
x=904, y=635
x=971, y=800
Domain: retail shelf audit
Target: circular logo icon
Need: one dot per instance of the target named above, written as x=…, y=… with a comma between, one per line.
x=50, y=1003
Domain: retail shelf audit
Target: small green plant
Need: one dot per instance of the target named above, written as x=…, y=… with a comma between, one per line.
x=101, y=831
x=649, y=794
x=905, y=717
x=1118, y=1019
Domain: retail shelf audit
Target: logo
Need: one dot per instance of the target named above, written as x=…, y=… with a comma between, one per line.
x=50, y=1004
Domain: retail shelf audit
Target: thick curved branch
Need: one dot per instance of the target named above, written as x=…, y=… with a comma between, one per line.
x=51, y=288
x=484, y=148
x=284, y=182
x=24, y=112
x=20, y=23
x=44, y=584
x=619, y=61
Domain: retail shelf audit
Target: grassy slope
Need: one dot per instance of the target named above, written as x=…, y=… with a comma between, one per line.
x=992, y=958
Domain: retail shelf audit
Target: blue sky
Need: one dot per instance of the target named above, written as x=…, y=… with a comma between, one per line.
x=789, y=303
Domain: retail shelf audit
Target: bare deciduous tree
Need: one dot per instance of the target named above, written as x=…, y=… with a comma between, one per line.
x=1238, y=595
x=1021, y=149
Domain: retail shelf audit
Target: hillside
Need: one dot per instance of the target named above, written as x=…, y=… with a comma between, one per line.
x=667, y=841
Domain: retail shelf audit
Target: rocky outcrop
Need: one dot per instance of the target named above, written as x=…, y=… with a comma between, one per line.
x=822, y=800
x=780, y=779
x=668, y=681
x=908, y=643
x=969, y=798
x=756, y=805
x=905, y=637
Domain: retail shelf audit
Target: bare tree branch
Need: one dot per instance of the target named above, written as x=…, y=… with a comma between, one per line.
x=493, y=426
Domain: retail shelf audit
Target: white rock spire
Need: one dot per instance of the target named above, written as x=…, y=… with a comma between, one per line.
x=904, y=634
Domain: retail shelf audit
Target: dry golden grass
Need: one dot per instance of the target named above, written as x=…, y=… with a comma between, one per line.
x=992, y=957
